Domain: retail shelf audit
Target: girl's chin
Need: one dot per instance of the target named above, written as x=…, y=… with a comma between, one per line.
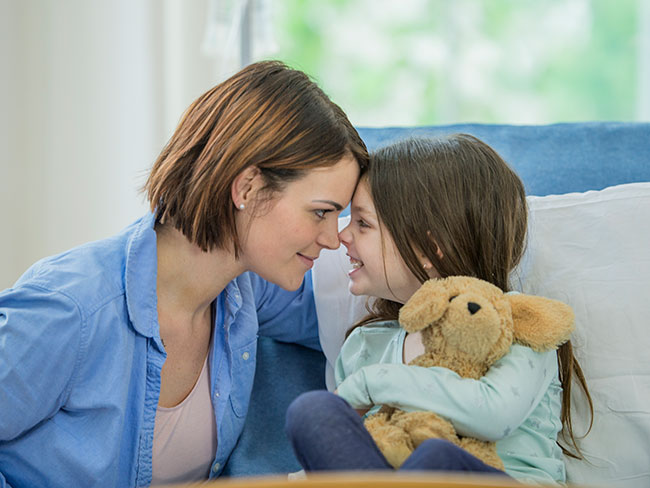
x=356, y=289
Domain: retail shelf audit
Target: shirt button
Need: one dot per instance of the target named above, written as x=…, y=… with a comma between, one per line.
x=216, y=395
x=216, y=467
x=245, y=356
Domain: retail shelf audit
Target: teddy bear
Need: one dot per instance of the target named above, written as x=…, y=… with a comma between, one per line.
x=467, y=324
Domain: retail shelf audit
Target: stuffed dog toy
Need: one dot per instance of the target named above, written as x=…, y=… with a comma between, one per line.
x=466, y=324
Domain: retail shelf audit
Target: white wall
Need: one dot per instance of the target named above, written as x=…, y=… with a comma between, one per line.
x=89, y=94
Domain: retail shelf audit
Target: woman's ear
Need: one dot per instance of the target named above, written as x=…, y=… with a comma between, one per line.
x=245, y=187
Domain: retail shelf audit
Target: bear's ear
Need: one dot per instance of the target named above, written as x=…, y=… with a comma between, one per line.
x=541, y=323
x=426, y=305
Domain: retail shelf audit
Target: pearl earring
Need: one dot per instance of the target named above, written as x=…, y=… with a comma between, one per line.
x=242, y=206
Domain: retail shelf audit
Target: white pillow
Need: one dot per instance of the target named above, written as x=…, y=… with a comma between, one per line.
x=592, y=251
x=337, y=309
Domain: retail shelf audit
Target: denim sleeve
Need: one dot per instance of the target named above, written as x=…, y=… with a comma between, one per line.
x=487, y=408
x=287, y=316
x=40, y=341
x=3, y=481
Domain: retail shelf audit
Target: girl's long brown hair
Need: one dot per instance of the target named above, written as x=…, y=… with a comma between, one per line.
x=266, y=115
x=457, y=194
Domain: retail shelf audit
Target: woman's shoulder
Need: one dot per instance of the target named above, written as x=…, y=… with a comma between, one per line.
x=87, y=275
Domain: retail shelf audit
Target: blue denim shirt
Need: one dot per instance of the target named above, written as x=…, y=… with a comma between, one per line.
x=81, y=356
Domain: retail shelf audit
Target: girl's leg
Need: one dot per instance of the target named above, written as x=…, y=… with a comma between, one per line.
x=328, y=434
x=442, y=455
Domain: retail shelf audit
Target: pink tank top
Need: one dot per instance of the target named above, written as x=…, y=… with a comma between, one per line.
x=185, y=436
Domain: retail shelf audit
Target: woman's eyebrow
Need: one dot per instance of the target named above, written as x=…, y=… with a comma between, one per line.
x=337, y=206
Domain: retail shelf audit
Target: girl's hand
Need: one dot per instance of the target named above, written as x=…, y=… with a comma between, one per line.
x=360, y=411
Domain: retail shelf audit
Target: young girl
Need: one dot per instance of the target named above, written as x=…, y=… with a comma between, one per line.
x=429, y=209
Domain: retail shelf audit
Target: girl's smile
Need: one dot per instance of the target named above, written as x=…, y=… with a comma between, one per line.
x=356, y=264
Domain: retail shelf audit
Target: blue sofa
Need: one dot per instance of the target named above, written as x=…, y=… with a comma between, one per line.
x=551, y=159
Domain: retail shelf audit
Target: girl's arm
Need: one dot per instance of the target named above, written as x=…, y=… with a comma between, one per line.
x=489, y=408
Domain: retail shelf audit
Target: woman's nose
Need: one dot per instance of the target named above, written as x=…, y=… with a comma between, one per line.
x=329, y=238
x=345, y=235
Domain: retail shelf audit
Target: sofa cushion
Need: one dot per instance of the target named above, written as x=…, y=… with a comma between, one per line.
x=283, y=372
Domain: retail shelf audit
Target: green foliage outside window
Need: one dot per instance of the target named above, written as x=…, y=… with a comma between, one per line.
x=417, y=62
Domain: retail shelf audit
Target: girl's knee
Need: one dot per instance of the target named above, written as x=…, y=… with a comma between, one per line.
x=442, y=448
x=311, y=401
x=308, y=406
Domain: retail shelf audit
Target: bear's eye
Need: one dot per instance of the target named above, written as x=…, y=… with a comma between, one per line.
x=451, y=298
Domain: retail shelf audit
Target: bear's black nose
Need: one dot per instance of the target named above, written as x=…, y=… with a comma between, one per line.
x=473, y=307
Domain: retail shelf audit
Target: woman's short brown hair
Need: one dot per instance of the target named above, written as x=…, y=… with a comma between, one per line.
x=267, y=115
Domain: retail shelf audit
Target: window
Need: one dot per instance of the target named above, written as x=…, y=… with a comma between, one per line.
x=418, y=62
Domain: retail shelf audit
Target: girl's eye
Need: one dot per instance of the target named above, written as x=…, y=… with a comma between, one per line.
x=362, y=223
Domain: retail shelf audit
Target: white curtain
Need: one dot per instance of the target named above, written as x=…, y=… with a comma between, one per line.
x=90, y=92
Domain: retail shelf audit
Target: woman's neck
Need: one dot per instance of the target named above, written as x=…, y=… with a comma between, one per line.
x=189, y=279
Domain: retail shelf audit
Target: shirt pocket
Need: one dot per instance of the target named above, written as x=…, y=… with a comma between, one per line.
x=243, y=373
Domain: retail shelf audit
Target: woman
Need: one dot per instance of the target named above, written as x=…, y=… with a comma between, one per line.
x=130, y=360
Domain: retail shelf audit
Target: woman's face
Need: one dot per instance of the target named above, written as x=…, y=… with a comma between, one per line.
x=375, y=261
x=282, y=240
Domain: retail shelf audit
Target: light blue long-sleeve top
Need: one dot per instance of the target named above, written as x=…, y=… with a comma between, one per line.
x=81, y=356
x=517, y=403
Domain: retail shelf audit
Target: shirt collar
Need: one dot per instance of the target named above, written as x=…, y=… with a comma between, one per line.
x=140, y=276
x=233, y=294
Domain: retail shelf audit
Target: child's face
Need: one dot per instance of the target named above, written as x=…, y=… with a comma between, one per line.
x=376, y=263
